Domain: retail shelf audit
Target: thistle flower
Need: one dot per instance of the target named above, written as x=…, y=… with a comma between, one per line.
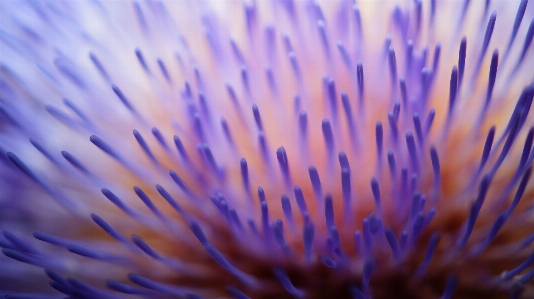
x=280, y=149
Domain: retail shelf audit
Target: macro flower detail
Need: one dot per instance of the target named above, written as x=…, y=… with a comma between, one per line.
x=266, y=149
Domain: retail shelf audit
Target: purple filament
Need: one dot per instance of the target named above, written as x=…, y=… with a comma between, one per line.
x=144, y=145
x=236, y=51
x=328, y=136
x=367, y=236
x=404, y=179
x=118, y=202
x=303, y=123
x=393, y=126
x=294, y=64
x=396, y=110
x=99, y=67
x=301, y=202
x=409, y=55
x=461, y=60
x=147, y=201
x=278, y=232
x=19, y=244
x=404, y=94
x=316, y=182
x=526, y=149
x=485, y=43
x=344, y=54
x=263, y=147
x=368, y=268
x=104, y=147
x=403, y=240
x=414, y=159
x=379, y=135
x=244, y=174
x=332, y=96
x=287, y=43
x=74, y=162
x=232, y=95
x=127, y=289
x=323, y=36
x=146, y=248
x=226, y=131
x=179, y=182
x=453, y=89
x=475, y=210
x=418, y=129
x=159, y=138
x=348, y=112
x=257, y=117
x=181, y=149
x=435, y=167
x=359, y=76
x=487, y=148
x=357, y=293
x=376, y=192
x=417, y=226
x=346, y=189
x=426, y=83
x=526, y=44
x=416, y=201
x=391, y=163
x=167, y=196
x=392, y=66
x=210, y=158
x=449, y=287
x=510, y=274
x=237, y=293
x=334, y=235
x=358, y=242
x=77, y=111
x=284, y=279
x=343, y=160
x=122, y=97
x=429, y=120
x=270, y=79
x=281, y=156
x=429, y=253
x=392, y=241
x=517, y=22
x=526, y=278
x=519, y=192
x=109, y=229
x=492, y=77
x=286, y=207
x=308, y=236
x=329, y=211
x=44, y=151
x=437, y=52
x=164, y=71
x=197, y=124
x=265, y=219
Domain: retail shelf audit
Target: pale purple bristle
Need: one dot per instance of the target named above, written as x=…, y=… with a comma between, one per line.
x=324, y=38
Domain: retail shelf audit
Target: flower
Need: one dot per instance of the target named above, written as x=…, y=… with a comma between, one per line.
x=280, y=149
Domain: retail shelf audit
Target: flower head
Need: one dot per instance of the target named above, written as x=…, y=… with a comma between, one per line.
x=308, y=149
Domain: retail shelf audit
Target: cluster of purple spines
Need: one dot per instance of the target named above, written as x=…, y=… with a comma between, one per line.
x=280, y=149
